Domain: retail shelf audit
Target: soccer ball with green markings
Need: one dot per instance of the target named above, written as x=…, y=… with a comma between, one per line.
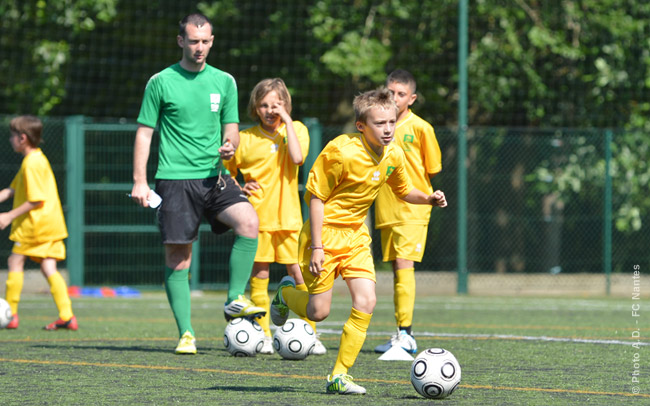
x=5, y=313
x=243, y=337
x=435, y=373
x=294, y=340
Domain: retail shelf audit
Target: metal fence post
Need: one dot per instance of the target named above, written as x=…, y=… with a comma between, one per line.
x=315, y=146
x=607, y=215
x=462, y=146
x=74, y=162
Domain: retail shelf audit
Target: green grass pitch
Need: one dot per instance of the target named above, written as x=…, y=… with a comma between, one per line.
x=513, y=351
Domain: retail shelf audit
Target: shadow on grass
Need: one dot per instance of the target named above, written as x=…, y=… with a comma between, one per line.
x=108, y=348
x=262, y=389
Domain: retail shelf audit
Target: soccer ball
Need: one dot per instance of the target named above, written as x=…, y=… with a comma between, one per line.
x=294, y=340
x=5, y=313
x=435, y=373
x=243, y=337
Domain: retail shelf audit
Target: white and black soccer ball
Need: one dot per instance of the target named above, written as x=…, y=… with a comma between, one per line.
x=5, y=313
x=294, y=340
x=435, y=373
x=243, y=337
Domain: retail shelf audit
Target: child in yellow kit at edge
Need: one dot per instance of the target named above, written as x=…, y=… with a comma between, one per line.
x=268, y=157
x=342, y=185
x=404, y=226
x=37, y=224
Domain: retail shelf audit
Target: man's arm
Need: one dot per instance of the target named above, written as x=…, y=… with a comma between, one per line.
x=230, y=141
x=141, y=149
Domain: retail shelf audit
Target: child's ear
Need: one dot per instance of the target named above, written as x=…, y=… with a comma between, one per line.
x=360, y=126
x=414, y=97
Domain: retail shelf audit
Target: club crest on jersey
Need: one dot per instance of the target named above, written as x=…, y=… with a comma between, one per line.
x=215, y=100
x=375, y=176
x=407, y=141
x=389, y=170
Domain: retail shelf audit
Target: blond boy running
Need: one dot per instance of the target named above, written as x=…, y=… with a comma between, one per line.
x=403, y=225
x=342, y=185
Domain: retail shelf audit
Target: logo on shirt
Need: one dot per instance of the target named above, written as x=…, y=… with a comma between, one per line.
x=215, y=99
x=375, y=176
x=389, y=170
x=274, y=148
x=408, y=139
x=418, y=247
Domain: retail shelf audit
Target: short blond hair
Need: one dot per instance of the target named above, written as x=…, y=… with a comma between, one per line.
x=363, y=103
x=31, y=126
x=265, y=87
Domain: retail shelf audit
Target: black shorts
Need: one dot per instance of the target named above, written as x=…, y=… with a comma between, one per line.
x=184, y=202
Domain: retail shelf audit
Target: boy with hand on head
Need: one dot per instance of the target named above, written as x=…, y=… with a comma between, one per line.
x=37, y=224
x=341, y=187
x=268, y=157
x=403, y=225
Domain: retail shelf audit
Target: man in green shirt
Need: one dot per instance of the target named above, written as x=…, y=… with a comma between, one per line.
x=195, y=108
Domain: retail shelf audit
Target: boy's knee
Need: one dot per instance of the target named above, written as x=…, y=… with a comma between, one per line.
x=317, y=313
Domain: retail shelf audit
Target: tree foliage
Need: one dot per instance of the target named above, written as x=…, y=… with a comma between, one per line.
x=40, y=32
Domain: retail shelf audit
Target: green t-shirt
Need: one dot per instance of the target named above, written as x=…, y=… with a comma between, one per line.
x=191, y=109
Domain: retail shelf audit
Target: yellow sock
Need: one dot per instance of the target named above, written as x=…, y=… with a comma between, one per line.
x=59, y=291
x=14, y=288
x=260, y=296
x=296, y=300
x=404, y=296
x=354, y=334
x=303, y=288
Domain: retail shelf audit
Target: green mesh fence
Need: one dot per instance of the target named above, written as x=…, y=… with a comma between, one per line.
x=547, y=81
x=519, y=220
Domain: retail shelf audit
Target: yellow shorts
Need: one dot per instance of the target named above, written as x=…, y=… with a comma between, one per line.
x=277, y=246
x=404, y=241
x=347, y=253
x=38, y=252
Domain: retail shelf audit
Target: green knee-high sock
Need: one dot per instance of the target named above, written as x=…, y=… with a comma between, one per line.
x=242, y=257
x=177, y=286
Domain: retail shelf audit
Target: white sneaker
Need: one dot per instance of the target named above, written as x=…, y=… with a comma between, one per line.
x=318, y=348
x=403, y=339
x=242, y=307
x=342, y=384
x=267, y=347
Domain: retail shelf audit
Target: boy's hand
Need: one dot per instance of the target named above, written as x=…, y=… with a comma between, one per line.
x=280, y=110
x=438, y=199
x=317, y=260
x=5, y=220
x=250, y=187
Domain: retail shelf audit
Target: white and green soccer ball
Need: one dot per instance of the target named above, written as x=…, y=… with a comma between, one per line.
x=435, y=373
x=294, y=340
x=243, y=337
x=5, y=313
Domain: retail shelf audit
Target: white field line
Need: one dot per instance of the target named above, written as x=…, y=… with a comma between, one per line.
x=499, y=337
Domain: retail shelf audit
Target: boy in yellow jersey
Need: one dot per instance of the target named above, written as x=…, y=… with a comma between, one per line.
x=37, y=224
x=342, y=185
x=403, y=225
x=268, y=157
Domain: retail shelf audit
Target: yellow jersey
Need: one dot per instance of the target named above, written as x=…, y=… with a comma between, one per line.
x=35, y=182
x=418, y=140
x=347, y=176
x=264, y=158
